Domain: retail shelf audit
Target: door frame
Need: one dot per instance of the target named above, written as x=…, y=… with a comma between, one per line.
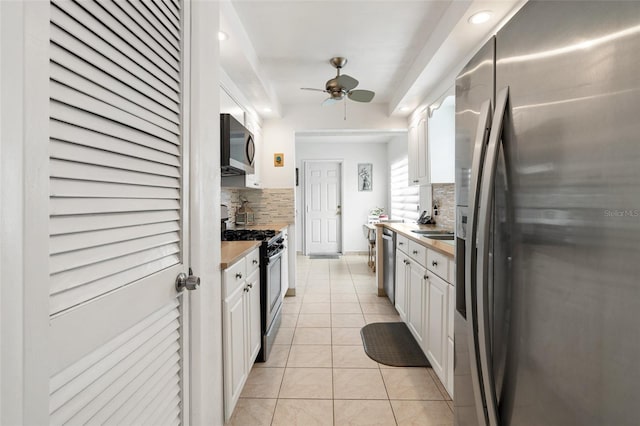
x=305, y=165
x=24, y=183
x=24, y=179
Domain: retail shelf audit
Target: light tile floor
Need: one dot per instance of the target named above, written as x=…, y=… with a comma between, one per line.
x=318, y=372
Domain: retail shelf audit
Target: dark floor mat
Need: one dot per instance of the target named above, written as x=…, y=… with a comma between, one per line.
x=324, y=256
x=391, y=343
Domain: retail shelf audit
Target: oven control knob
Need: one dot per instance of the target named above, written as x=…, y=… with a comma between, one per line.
x=190, y=282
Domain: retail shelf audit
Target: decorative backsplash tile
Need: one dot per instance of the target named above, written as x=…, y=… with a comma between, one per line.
x=270, y=205
x=444, y=196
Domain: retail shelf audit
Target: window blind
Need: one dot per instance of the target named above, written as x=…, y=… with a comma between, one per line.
x=405, y=199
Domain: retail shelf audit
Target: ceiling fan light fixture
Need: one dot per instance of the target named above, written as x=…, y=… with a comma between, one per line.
x=480, y=17
x=222, y=36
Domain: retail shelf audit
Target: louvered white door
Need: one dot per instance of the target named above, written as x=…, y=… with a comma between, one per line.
x=118, y=231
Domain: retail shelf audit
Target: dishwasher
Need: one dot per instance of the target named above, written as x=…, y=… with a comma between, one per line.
x=389, y=263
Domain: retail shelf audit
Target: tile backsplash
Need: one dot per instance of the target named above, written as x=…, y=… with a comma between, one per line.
x=270, y=205
x=444, y=197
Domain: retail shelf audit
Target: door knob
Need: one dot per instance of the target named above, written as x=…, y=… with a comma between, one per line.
x=190, y=282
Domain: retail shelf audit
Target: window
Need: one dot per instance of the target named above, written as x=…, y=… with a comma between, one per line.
x=404, y=198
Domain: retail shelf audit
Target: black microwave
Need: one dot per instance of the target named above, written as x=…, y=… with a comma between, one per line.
x=237, y=148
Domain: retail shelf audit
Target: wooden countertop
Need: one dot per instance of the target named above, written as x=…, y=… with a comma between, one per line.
x=444, y=246
x=232, y=251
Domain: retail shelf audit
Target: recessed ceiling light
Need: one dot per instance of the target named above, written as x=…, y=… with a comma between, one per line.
x=480, y=17
x=266, y=109
x=404, y=108
x=222, y=35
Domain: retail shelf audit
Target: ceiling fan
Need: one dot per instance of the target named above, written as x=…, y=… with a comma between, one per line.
x=342, y=85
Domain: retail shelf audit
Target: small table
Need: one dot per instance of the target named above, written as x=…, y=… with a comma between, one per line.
x=370, y=233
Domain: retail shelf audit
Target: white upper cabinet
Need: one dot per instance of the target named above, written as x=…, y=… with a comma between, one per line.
x=229, y=106
x=432, y=143
x=418, y=151
x=441, y=137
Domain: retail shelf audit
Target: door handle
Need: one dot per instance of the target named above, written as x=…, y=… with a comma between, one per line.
x=484, y=222
x=477, y=162
x=184, y=282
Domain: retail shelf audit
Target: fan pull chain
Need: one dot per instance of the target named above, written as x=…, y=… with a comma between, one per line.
x=345, y=110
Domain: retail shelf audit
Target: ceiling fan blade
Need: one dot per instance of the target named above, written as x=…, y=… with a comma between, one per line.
x=331, y=101
x=361, y=95
x=347, y=82
x=310, y=88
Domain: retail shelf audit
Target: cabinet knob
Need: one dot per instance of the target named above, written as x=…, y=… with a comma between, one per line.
x=400, y=244
x=434, y=263
x=415, y=252
x=238, y=276
x=250, y=285
x=246, y=289
x=255, y=262
x=415, y=181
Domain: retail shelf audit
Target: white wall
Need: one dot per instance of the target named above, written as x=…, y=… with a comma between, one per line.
x=279, y=134
x=355, y=204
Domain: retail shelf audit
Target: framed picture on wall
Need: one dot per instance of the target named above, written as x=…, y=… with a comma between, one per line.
x=365, y=177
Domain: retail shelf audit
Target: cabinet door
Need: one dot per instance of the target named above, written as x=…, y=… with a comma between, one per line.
x=235, y=361
x=441, y=138
x=253, y=317
x=413, y=155
x=450, y=354
x=416, y=301
x=422, y=152
x=285, y=263
x=401, y=286
x=253, y=180
x=451, y=297
x=437, y=325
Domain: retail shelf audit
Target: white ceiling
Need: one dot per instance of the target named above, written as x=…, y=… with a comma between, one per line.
x=400, y=49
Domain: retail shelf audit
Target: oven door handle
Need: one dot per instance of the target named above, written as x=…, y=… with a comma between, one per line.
x=274, y=256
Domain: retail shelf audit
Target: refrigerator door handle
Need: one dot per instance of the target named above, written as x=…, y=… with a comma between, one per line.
x=477, y=161
x=484, y=222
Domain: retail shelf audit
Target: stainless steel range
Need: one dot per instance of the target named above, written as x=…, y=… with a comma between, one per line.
x=271, y=251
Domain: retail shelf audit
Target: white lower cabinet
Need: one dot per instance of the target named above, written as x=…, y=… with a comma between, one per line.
x=416, y=301
x=235, y=362
x=436, y=325
x=401, y=285
x=425, y=301
x=241, y=325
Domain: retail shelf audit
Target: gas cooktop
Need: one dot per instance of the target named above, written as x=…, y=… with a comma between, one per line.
x=247, y=235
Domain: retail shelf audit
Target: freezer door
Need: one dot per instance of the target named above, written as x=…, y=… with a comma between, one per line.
x=474, y=85
x=474, y=97
x=573, y=138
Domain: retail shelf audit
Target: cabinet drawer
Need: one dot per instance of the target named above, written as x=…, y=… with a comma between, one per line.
x=253, y=261
x=234, y=276
x=402, y=243
x=418, y=252
x=438, y=264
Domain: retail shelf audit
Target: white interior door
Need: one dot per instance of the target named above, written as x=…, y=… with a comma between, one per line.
x=118, y=210
x=323, y=207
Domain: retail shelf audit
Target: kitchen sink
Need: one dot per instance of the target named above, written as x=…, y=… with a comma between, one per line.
x=426, y=232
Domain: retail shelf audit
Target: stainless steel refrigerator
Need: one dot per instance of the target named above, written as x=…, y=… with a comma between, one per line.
x=547, y=321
